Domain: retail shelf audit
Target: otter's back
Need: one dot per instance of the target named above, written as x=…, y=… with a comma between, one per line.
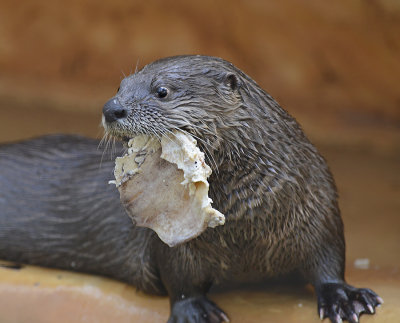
x=56, y=208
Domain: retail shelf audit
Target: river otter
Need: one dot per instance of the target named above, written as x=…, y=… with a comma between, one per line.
x=275, y=190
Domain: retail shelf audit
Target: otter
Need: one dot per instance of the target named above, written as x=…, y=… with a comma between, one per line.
x=270, y=182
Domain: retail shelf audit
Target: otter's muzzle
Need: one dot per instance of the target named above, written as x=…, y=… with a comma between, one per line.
x=114, y=111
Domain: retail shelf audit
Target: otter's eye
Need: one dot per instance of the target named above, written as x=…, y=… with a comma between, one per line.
x=162, y=92
x=118, y=89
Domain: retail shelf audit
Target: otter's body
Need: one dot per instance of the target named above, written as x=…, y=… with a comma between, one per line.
x=57, y=210
x=269, y=181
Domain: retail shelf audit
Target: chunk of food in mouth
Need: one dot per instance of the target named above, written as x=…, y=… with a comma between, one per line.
x=163, y=186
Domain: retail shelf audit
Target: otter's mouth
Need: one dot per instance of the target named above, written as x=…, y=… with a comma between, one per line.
x=119, y=132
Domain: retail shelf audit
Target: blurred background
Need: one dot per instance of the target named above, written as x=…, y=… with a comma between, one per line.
x=335, y=66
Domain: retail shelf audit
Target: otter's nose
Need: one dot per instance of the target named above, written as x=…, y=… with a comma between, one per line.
x=113, y=111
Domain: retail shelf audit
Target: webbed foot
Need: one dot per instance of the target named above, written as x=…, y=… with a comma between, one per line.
x=344, y=302
x=196, y=310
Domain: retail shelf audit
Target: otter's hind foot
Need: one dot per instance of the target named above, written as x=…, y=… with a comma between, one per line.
x=196, y=310
x=344, y=302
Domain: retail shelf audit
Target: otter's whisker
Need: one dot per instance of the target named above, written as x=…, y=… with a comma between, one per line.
x=102, y=140
x=203, y=129
x=170, y=132
x=105, y=142
x=113, y=151
x=154, y=132
x=137, y=64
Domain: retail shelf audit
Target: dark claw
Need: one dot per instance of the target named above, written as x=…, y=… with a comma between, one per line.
x=196, y=310
x=343, y=302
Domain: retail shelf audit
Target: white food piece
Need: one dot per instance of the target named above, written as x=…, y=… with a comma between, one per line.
x=163, y=186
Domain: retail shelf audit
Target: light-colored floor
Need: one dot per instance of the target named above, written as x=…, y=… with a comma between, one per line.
x=369, y=187
x=38, y=295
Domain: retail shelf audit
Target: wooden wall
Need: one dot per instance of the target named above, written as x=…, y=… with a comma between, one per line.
x=333, y=65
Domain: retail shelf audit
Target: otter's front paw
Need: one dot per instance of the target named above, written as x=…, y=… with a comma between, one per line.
x=344, y=302
x=196, y=310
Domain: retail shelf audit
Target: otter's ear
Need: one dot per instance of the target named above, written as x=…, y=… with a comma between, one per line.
x=232, y=81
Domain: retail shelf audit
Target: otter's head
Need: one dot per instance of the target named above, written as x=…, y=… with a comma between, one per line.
x=194, y=94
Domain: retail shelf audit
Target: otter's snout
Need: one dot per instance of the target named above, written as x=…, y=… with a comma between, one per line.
x=113, y=111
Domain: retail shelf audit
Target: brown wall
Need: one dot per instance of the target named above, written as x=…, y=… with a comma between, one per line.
x=334, y=65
